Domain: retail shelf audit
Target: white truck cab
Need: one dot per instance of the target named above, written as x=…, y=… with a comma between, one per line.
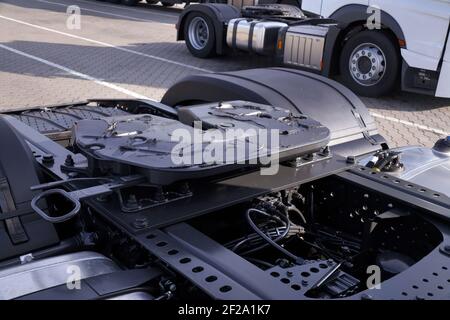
x=417, y=31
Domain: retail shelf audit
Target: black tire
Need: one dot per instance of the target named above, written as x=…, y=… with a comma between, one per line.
x=152, y=1
x=167, y=4
x=381, y=55
x=114, y=1
x=209, y=48
x=130, y=3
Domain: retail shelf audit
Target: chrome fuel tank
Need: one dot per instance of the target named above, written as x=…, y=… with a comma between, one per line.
x=253, y=35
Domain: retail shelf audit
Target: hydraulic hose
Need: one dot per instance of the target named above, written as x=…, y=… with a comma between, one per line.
x=296, y=259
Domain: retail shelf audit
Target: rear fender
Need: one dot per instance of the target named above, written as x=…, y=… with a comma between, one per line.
x=325, y=100
x=219, y=14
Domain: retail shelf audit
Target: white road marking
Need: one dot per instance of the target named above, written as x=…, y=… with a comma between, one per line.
x=109, y=13
x=411, y=124
x=78, y=74
x=106, y=44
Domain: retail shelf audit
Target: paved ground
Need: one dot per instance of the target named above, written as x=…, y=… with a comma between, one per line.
x=131, y=52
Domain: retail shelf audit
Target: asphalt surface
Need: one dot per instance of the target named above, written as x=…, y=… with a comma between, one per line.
x=131, y=52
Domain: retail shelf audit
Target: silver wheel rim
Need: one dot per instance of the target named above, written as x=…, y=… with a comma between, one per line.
x=367, y=64
x=198, y=33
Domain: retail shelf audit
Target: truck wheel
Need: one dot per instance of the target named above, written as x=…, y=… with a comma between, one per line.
x=152, y=1
x=199, y=35
x=129, y=2
x=167, y=4
x=370, y=63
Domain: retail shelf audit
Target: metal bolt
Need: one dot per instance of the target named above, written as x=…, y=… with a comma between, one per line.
x=326, y=151
x=48, y=159
x=351, y=159
x=69, y=161
x=26, y=258
x=304, y=283
x=140, y=223
x=289, y=274
x=169, y=285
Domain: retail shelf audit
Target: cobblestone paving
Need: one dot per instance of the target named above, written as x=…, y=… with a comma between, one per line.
x=121, y=51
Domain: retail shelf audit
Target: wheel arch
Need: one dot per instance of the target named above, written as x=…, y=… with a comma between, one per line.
x=218, y=13
x=355, y=14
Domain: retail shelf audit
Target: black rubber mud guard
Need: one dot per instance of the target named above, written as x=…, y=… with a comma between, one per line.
x=21, y=230
x=17, y=163
x=353, y=130
x=219, y=14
